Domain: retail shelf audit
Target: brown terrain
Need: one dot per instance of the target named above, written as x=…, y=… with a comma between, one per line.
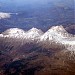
x=35, y=59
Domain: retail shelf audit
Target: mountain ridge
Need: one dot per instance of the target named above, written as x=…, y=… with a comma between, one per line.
x=56, y=35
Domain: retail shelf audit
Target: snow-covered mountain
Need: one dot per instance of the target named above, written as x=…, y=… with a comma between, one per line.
x=32, y=34
x=55, y=48
x=14, y=33
x=55, y=36
x=58, y=36
x=57, y=33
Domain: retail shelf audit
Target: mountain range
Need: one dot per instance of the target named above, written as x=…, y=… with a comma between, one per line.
x=37, y=37
x=35, y=52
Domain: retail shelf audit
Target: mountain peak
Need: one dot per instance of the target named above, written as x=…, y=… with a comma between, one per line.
x=35, y=30
x=34, y=33
x=13, y=31
x=55, y=33
x=58, y=28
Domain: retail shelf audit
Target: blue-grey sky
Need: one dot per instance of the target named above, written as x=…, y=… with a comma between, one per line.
x=14, y=4
x=35, y=1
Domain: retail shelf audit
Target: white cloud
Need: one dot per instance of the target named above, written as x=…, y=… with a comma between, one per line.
x=4, y=15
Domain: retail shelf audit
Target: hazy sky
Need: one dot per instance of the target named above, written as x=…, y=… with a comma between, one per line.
x=25, y=1
x=34, y=3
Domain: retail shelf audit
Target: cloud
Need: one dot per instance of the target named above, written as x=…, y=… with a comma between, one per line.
x=4, y=15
